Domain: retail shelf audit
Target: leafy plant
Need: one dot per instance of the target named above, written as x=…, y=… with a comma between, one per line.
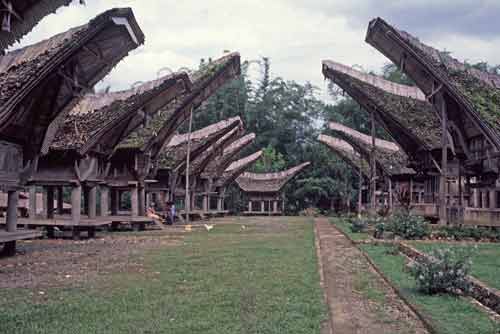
x=445, y=271
x=378, y=233
x=408, y=226
x=359, y=225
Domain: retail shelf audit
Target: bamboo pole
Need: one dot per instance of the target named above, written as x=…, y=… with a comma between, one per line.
x=187, y=202
x=373, y=169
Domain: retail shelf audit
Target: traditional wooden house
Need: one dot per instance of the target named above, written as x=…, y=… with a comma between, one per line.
x=222, y=159
x=171, y=174
x=467, y=102
x=42, y=82
x=20, y=16
x=390, y=162
x=264, y=190
x=135, y=163
x=348, y=154
x=79, y=156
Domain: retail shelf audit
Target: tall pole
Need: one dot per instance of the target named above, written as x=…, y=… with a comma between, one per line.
x=187, y=200
x=360, y=192
x=373, y=167
x=444, y=160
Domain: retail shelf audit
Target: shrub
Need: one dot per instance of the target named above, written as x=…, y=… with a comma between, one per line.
x=445, y=271
x=408, y=226
x=378, y=233
x=358, y=225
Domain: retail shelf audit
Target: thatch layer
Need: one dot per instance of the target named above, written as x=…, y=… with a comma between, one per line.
x=268, y=182
x=98, y=116
x=405, y=112
x=347, y=153
x=236, y=168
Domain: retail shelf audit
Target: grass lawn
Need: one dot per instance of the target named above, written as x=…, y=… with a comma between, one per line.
x=485, y=260
x=261, y=279
x=449, y=314
x=343, y=225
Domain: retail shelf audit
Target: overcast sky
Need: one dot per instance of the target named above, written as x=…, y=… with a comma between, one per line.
x=295, y=34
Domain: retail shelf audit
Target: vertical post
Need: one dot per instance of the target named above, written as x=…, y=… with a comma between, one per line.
x=50, y=202
x=92, y=202
x=444, y=160
x=11, y=220
x=411, y=191
x=275, y=206
x=60, y=200
x=142, y=200
x=76, y=204
x=205, y=202
x=86, y=200
x=114, y=202
x=188, y=158
x=250, y=206
x=360, y=192
x=44, y=202
x=493, y=198
x=373, y=166
x=262, y=206
x=104, y=200
x=134, y=198
x=32, y=196
x=390, y=194
x=475, y=198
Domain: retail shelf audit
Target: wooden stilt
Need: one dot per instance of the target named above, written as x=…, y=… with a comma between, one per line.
x=134, y=197
x=11, y=219
x=141, y=202
x=114, y=202
x=50, y=202
x=76, y=204
x=60, y=200
x=92, y=202
x=32, y=196
x=104, y=200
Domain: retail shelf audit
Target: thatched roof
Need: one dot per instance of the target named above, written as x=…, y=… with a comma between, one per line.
x=100, y=121
x=173, y=156
x=403, y=110
x=236, y=168
x=225, y=156
x=163, y=125
x=41, y=83
x=23, y=16
x=268, y=182
x=201, y=162
x=390, y=159
x=468, y=90
x=347, y=153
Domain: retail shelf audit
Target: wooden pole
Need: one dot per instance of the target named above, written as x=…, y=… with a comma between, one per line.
x=373, y=169
x=188, y=157
x=60, y=200
x=11, y=220
x=32, y=195
x=76, y=204
x=390, y=195
x=104, y=200
x=360, y=192
x=92, y=202
x=444, y=160
x=134, y=197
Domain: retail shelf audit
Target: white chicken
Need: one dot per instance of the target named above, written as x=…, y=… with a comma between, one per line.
x=208, y=227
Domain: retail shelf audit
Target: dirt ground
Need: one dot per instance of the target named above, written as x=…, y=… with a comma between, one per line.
x=350, y=310
x=46, y=263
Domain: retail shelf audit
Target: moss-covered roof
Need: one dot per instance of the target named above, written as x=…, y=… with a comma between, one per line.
x=347, y=153
x=389, y=160
x=406, y=114
x=165, y=122
x=236, y=168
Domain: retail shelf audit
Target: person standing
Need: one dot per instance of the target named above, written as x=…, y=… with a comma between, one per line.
x=172, y=211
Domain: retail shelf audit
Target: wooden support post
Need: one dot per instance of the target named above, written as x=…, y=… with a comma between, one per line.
x=475, y=198
x=11, y=219
x=44, y=202
x=114, y=202
x=390, y=195
x=86, y=200
x=262, y=205
x=275, y=206
x=219, y=204
x=411, y=192
x=484, y=201
x=206, y=199
x=493, y=198
x=92, y=203
x=250, y=206
x=373, y=166
x=134, y=197
x=50, y=202
x=360, y=192
x=60, y=200
x=104, y=200
x=444, y=161
x=76, y=204
x=141, y=200
x=32, y=196
x=162, y=200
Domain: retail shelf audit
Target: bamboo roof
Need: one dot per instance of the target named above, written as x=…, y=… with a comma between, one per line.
x=24, y=15
x=236, y=168
x=403, y=110
x=390, y=159
x=163, y=125
x=173, y=156
x=474, y=92
x=347, y=153
x=42, y=82
x=106, y=118
x=226, y=155
x=268, y=182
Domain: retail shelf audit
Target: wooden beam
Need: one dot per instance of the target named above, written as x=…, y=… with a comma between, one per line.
x=444, y=160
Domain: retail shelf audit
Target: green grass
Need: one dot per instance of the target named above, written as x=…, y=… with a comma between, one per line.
x=485, y=260
x=448, y=314
x=343, y=225
x=263, y=279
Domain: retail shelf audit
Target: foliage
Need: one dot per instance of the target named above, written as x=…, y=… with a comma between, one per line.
x=271, y=161
x=408, y=226
x=463, y=232
x=310, y=212
x=445, y=271
x=359, y=225
x=378, y=233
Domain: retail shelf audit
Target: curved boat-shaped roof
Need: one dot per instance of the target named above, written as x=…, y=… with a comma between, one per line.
x=41, y=83
x=236, y=168
x=402, y=109
x=173, y=156
x=467, y=91
x=23, y=16
x=104, y=119
x=345, y=151
x=390, y=159
x=225, y=157
x=268, y=182
x=205, y=82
